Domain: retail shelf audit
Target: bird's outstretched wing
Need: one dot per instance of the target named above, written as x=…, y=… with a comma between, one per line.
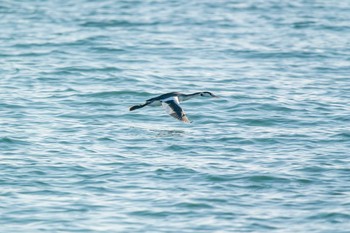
x=172, y=107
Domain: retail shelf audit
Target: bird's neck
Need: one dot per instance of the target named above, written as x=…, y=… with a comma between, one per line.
x=185, y=97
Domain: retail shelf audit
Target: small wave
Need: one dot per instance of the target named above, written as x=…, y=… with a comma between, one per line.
x=99, y=103
x=331, y=215
x=114, y=93
x=344, y=135
x=254, y=54
x=107, y=49
x=303, y=24
x=273, y=107
x=69, y=89
x=169, y=133
x=193, y=205
x=115, y=23
x=8, y=140
x=58, y=43
x=175, y=170
x=256, y=121
x=10, y=106
x=89, y=69
x=153, y=214
x=106, y=139
x=177, y=148
x=337, y=28
x=219, y=178
x=27, y=54
x=248, y=178
x=267, y=178
x=176, y=173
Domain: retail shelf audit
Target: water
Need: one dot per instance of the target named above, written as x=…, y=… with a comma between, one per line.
x=271, y=155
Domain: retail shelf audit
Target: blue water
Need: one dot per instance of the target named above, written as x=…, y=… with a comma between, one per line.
x=270, y=155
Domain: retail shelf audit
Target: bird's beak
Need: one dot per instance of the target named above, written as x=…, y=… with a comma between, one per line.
x=215, y=96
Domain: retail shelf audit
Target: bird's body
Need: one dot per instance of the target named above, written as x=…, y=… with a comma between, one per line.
x=171, y=103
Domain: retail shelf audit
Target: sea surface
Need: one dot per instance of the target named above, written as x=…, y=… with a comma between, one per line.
x=272, y=154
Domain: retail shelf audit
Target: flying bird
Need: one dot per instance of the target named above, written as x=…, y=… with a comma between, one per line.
x=171, y=103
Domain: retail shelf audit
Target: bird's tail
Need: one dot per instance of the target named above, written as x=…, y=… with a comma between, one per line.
x=132, y=108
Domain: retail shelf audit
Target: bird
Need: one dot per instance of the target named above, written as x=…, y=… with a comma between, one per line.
x=171, y=103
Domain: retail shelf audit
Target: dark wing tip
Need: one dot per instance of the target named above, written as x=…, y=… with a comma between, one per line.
x=132, y=108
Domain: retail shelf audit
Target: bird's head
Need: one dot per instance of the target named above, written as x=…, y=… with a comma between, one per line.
x=208, y=94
